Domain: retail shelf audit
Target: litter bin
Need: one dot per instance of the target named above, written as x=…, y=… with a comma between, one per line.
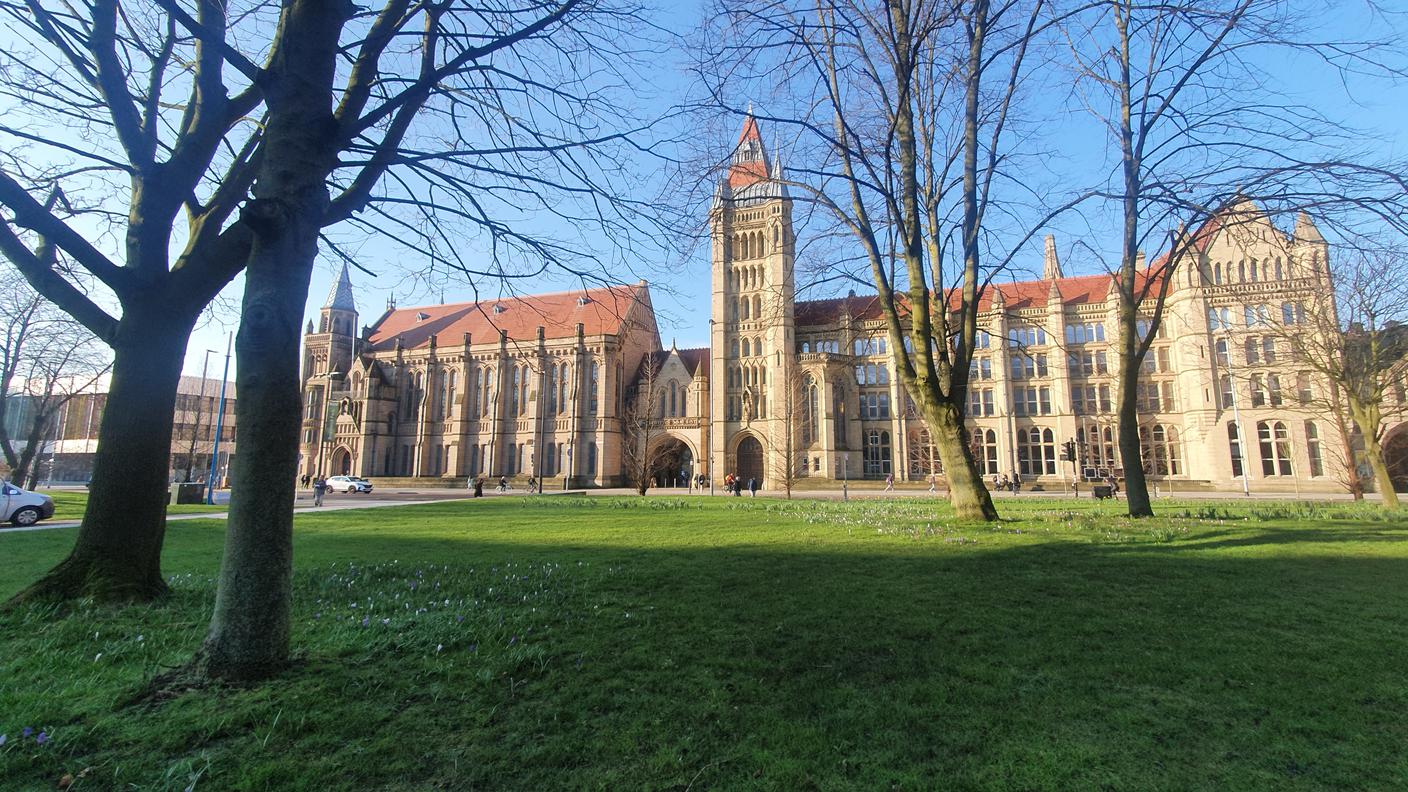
x=188, y=492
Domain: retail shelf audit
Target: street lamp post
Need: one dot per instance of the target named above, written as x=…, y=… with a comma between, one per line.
x=845, y=477
x=219, y=425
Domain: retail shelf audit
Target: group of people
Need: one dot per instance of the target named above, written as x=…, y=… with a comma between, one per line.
x=477, y=483
x=1004, y=483
x=733, y=484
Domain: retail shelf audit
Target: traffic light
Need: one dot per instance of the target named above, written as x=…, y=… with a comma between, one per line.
x=1068, y=451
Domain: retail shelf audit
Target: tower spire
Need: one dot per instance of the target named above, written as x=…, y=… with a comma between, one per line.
x=340, y=295
x=1051, y=263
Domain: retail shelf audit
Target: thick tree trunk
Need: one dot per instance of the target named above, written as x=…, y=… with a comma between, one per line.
x=117, y=555
x=966, y=492
x=1383, y=482
x=249, y=630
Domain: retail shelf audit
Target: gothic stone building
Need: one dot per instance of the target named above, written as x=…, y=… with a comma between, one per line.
x=545, y=385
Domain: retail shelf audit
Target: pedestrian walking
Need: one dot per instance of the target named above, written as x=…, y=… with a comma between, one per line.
x=503, y=483
x=753, y=487
x=478, y=486
x=889, y=482
x=532, y=484
x=1016, y=482
x=320, y=486
x=933, y=483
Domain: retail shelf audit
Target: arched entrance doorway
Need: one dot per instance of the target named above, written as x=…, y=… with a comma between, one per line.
x=1396, y=456
x=750, y=460
x=674, y=463
x=341, y=462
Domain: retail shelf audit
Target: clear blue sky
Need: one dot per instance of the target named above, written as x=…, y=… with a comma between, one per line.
x=681, y=296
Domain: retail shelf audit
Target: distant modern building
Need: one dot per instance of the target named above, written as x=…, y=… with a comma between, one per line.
x=67, y=453
x=540, y=385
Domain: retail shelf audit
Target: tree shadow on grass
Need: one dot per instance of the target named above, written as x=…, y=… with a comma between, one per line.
x=1009, y=663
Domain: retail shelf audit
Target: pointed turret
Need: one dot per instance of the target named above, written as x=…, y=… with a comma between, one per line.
x=1306, y=230
x=751, y=172
x=1051, y=263
x=340, y=295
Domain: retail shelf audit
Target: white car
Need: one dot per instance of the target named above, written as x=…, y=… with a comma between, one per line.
x=349, y=484
x=22, y=507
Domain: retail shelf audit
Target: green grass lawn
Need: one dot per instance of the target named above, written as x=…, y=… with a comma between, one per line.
x=69, y=505
x=736, y=644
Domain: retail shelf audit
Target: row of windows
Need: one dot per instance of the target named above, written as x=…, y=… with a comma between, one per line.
x=745, y=308
x=1267, y=390
x=1274, y=443
x=1254, y=271
x=517, y=460
x=872, y=374
x=1292, y=313
x=747, y=347
x=746, y=376
x=823, y=345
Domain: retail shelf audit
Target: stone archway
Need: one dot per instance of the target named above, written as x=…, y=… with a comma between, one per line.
x=1396, y=456
x=342, y=462
x=674, y=462
x=749, y=460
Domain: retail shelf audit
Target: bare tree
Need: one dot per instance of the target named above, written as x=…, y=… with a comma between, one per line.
x=906, y=107
x=1355, y=341
x=788, y=462
x=643, y=455
x=46, y=358
x=439, y=124
x=1184, y=94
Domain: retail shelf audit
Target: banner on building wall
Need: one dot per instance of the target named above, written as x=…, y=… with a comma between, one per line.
x=330, y=412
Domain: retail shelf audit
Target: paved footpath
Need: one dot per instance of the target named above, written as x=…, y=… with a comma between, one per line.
x=410, y=497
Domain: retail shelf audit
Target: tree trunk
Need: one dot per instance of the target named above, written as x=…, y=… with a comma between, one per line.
x=1131, y=457
x=1383, y=482
x=25, y=469
x=971, y=500
x=117, y=555
x=249, y=629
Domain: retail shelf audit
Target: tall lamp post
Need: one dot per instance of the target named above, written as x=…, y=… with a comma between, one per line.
x=219, y=425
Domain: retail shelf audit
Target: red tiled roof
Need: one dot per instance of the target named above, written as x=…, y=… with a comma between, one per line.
x=1078, y=290
x=602, y=313
x=694, y=358
x=748, y=172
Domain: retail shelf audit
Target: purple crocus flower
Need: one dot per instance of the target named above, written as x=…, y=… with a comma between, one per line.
x=42, y=738
x=366, y=620
x=26, y=731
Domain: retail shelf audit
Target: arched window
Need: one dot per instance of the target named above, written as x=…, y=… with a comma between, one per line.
x=674, y=399
x=591, y=458
x=453, y=378
x=487, y=400
x=743, y=309
x=512, y=459
x=983, y=445
x=806, y=347
x=757, y=307
x=513, y=406
x=662, y=412
x=594, y=386
x=747, y=346
x=562, y=388
x=1280, y=273
x=923, y=456
x=1275, y=448
x=523, y=391
x=1036, y=452
x=1234, y=448
x=809, y=411
x=1217, y=273
x=757, y=346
